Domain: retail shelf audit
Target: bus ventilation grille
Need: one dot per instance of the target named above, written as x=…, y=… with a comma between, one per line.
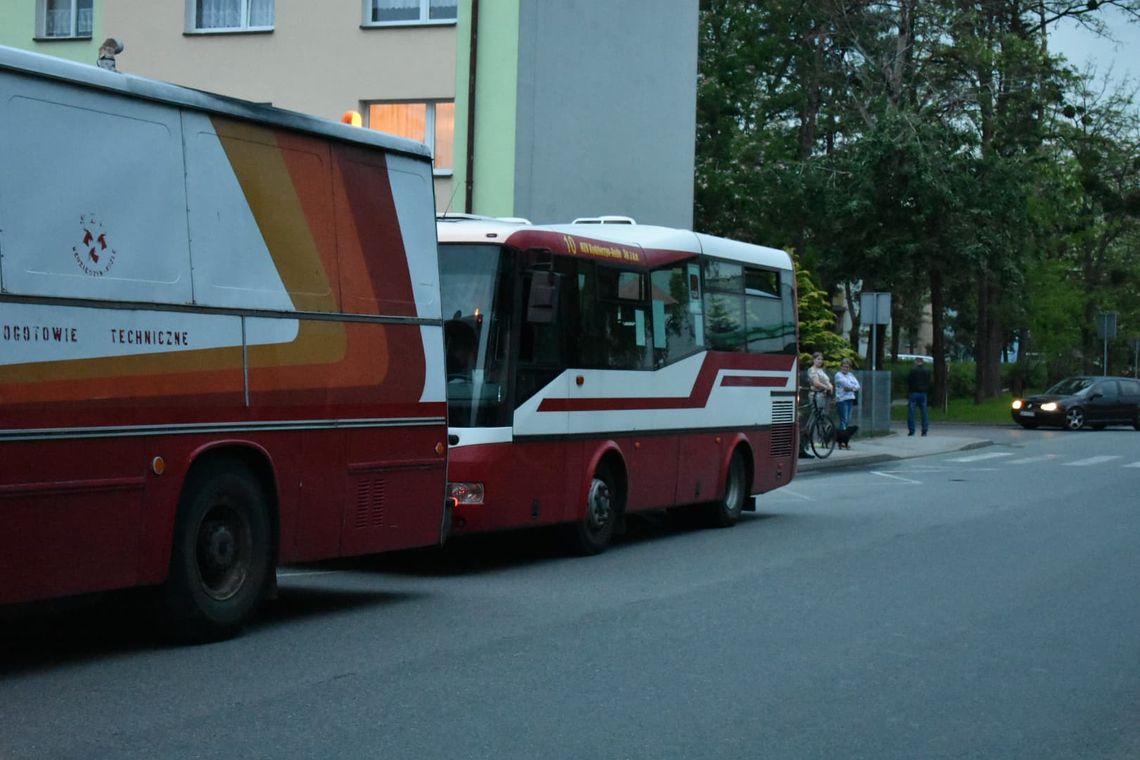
x=369, y=503
x=783, y=412
x=783, y=424
x=782, y=440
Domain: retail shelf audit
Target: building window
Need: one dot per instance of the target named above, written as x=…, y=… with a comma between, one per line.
x=229, y=15
x=64, y=19
x=385, y=12
x=430, y=123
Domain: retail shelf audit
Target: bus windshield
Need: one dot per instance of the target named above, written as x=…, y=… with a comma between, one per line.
x=476, y=301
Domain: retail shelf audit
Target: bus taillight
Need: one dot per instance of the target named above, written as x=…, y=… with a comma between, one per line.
x=466, y=493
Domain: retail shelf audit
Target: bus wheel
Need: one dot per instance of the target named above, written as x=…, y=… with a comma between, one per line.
x=726, y=512
x=220, y=558
x=593, y=533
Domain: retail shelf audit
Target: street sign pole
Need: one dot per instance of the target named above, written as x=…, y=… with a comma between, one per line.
x=875, y=310
x=1106, y=328
x=874, y=335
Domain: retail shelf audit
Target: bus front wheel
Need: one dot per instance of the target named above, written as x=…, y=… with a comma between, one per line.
x=593, y=533
x=220, y=558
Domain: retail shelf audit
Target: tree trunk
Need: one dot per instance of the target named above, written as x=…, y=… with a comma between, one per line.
x=856, y=318
x=987, y=371
x=937, y=306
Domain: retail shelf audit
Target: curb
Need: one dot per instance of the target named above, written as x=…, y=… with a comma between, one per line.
x=811, y=465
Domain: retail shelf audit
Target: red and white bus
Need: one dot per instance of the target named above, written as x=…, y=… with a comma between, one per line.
x=596, y=370
x=220, y=342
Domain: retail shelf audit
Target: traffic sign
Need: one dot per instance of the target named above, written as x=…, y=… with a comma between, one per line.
x=1106, y=325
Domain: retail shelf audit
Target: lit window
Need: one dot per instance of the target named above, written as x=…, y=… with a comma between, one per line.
x=229, y=15
x=430, y=123
x=410, y=11
x=62, y=19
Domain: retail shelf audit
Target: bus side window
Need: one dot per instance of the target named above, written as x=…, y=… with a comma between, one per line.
x=769, y=326
x=624, y=330
x=674, y=319
x=541, y=330
x=551, y=298
x=724, y=305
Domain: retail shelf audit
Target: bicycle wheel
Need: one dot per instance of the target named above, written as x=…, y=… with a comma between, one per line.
x=823, y=437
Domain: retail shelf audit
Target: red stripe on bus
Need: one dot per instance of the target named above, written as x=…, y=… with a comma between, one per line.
x=698, y=397
x=749, y=381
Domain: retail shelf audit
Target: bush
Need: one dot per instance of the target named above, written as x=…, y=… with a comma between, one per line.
x=961, y=375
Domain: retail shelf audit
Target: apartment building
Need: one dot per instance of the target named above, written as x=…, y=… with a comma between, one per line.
x=63, y=28
x=548, y=109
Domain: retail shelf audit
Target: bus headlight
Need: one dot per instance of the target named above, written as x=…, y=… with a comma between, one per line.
x=466, y=493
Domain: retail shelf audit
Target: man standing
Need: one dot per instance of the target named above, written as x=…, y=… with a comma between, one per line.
x=917, y=387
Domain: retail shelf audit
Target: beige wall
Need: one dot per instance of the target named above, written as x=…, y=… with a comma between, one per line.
x=317, y=60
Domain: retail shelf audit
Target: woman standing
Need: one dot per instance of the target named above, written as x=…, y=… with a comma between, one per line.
x=846, y=385
x=821, y=386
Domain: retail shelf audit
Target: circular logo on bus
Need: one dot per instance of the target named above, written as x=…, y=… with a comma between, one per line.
x=93, y=253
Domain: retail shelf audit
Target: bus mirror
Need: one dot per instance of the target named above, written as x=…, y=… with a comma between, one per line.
x=542, y=302
x=540, y=258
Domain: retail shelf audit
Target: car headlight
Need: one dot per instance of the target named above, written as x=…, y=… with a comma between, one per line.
x=1017, y=403
x=1049, y=406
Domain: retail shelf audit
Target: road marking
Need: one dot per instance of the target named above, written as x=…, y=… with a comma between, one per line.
x=1134, y=464
x=1092, y=460
x=787, y=492
x=896, y=477
x=1027, y=460
x=980, y=457
x=299, y=573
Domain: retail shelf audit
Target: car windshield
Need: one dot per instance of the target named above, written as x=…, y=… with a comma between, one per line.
x=1071, y=386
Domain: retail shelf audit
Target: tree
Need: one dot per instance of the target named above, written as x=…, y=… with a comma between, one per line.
x=817, y=321
x=921, y=148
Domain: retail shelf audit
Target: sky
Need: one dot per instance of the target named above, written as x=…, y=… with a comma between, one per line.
x=1081, y=47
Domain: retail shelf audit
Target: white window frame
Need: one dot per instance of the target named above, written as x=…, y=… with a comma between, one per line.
x=423, y=20
x=193, y=28
x=42, y=25
x=429, y=127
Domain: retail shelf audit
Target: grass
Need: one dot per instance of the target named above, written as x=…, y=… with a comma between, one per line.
x=994, y=411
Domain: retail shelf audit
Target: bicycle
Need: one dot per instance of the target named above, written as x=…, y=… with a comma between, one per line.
x=819, y=428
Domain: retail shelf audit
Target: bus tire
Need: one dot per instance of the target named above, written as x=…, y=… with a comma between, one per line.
x=726, y=511
x=593, y=533
x=221, y=558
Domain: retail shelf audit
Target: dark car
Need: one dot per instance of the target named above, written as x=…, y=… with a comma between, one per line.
x=1076, y=402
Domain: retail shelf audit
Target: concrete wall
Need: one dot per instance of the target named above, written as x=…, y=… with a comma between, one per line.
x=606, y=118
x=497, y=73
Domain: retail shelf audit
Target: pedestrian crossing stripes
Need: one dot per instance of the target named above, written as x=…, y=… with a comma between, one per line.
x=982, y=457
x=1092, y=460
x=994, y=456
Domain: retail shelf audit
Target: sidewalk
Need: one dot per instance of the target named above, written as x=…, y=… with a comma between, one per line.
x=896, y=445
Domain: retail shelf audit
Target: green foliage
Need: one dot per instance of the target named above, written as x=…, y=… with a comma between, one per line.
x=934, y=150
x=817, y=322
x=961, y=378
x=993, y=411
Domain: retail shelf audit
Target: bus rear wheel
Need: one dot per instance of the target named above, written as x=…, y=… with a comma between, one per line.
x=220, y=559
x=593, y=533
x=726, y=512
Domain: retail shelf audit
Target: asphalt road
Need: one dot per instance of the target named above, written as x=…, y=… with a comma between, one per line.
x=982, y=604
